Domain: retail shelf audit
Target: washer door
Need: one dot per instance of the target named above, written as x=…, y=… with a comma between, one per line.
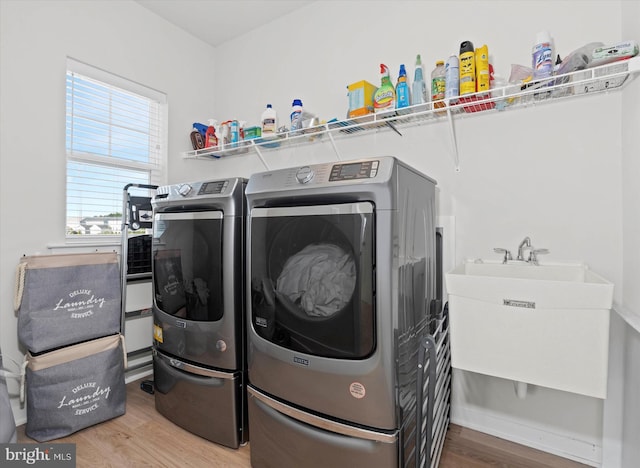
x=187, y=264
x=312, y=278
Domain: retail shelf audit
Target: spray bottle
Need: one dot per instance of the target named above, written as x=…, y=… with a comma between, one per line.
x=419, y=94
x=384, y=99
x=403, y=96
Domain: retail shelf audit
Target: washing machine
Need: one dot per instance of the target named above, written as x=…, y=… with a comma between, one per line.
x=199, y=335
x=341, y=285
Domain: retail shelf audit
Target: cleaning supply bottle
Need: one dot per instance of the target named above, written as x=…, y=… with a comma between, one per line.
x=269, y=121
x=542, y=56
x=419, y=93
x=197, y=140
x=467, y=68
x=438, y=84
x=403, y=96
x=452, y=79
x=211, y=139
x=224, y=134
x=296, y=115
x=483, y=78
x=202, y=128
x=234, y=131
x=384, y=99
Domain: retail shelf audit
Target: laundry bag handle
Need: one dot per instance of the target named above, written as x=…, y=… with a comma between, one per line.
x=19, y=289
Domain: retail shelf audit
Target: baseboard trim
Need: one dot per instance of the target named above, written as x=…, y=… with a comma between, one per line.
x=534, y=437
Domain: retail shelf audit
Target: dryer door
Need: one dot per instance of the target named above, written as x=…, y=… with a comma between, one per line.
x=312, y=278
x=187, y=264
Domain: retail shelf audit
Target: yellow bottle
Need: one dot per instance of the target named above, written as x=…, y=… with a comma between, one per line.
x=467, y=69
x=483, y=81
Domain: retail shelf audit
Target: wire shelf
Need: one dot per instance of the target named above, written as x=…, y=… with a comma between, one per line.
x=571, y=85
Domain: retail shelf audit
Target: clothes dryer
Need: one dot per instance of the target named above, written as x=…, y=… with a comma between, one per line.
x=198, y=308
x=341, y=265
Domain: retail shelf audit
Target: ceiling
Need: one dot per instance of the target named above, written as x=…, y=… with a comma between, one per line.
x=218, y=21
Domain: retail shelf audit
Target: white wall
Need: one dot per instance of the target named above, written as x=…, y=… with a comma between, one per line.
x=552, y=171
x=36, y=37
x=538, y=172
x=631, y=171
x=631, y=250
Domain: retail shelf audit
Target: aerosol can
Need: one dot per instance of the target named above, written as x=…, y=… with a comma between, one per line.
x=467, y=68
x=483, y=78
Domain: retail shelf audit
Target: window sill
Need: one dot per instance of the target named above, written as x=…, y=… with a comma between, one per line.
x=97, y=243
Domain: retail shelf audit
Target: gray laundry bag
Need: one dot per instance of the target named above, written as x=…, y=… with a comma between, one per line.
x=67, y=299
x=75, y=387
x=7, y=422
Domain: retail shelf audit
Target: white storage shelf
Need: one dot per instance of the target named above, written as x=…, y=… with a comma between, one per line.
x=139, y=320
x=571, y=85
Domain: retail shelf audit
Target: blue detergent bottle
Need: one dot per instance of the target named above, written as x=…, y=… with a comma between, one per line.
x=403, y=95
x=296, y=115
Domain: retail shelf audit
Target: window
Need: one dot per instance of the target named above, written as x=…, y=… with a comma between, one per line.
x=115, y=133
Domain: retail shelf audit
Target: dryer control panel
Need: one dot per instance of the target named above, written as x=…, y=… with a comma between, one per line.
x=213, y=188
x=324, y=173
x=373, y=171
x=357, y=170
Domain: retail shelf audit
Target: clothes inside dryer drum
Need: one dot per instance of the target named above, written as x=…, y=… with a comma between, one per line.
x=322, y=277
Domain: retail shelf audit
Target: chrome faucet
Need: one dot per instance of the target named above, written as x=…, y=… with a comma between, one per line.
x=526, y=242
x=524, y=245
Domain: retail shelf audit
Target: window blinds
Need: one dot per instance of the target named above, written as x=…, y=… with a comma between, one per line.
x=115, y=131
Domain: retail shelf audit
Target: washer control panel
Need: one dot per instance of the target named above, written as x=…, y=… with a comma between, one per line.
x=357, y=170
x=192, y=190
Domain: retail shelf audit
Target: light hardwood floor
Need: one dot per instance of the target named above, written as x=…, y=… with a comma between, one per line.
x=142, y=437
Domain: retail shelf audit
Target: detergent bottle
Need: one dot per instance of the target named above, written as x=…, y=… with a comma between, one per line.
x=269, y=121
x=296, y=115
x=403, y=96
x=211, y=140
x=438, y=83
x=419, y=94
x=384, y=99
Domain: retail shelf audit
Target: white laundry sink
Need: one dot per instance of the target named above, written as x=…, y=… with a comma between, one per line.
x=546, y=286
x=546, y=325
